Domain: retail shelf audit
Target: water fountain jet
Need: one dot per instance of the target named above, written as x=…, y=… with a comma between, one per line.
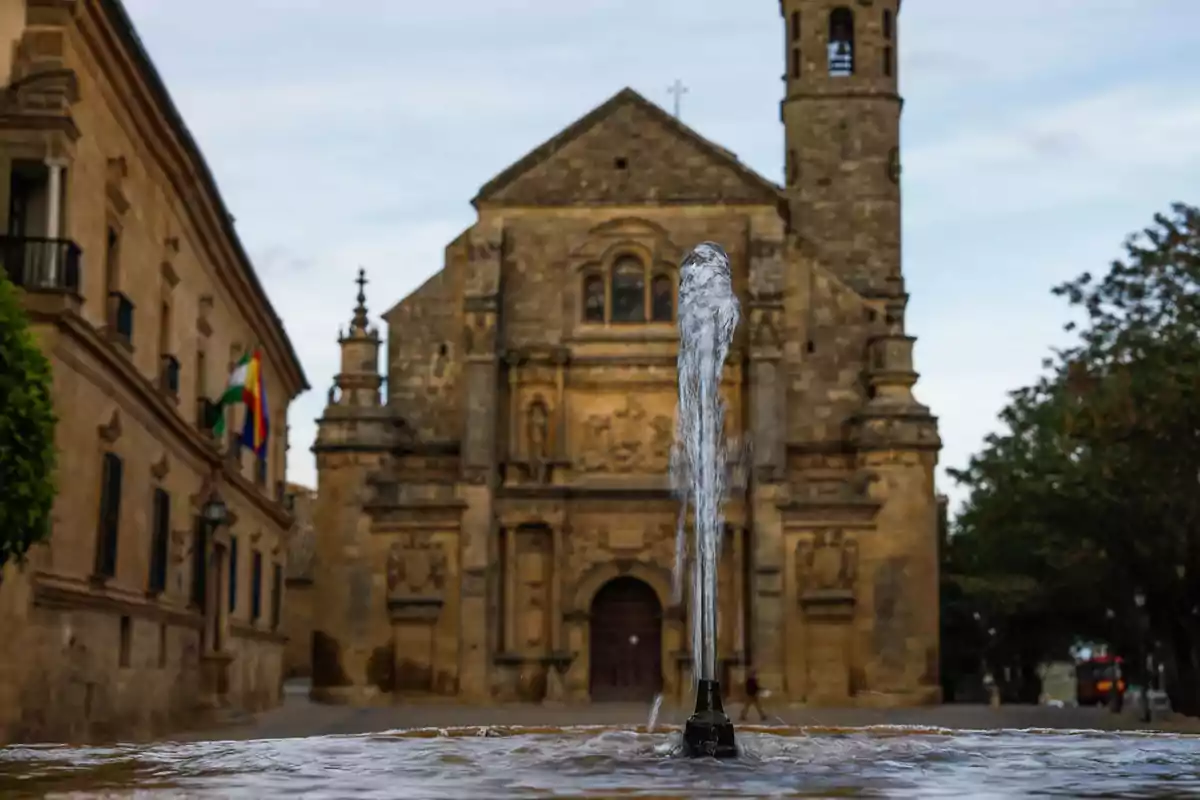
x=708, y=316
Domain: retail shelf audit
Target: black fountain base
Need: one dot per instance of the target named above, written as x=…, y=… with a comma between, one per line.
x=708, y=732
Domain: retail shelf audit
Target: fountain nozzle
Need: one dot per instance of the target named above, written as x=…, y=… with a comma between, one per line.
x=708, y=733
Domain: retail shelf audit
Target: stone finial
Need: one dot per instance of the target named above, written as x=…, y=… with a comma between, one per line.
x=360, y=311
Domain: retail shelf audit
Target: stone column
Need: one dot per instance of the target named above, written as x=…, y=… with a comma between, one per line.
x=768, y=426
x=556, y=588
x=53, y=216
x=739, y=592
x=510, y=590
x=481, y=343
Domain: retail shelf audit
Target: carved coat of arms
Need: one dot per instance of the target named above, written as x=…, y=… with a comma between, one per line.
x=416, y=569
x=627, y=440
x=827, y=561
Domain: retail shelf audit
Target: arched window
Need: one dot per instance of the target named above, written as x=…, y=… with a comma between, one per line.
x=593, y=298
x=662, y=299
x=628, y=290
x=841, y=42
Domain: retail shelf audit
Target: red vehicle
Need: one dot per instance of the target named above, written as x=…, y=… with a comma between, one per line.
x=1094, y=679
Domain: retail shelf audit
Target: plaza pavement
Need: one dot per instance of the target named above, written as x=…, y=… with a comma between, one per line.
x=299, y=717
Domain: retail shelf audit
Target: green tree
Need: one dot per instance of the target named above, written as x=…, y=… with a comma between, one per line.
x=27, y=424
x=1093, y=490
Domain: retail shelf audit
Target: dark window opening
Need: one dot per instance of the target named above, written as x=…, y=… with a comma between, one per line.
x=662, y=299
x=795, y=26
x=793, y=168
x=160, y=539
x=256, y=586
x=199, y=563
x=887, y=24
x=810, y=346
x=795, y=62
x=125, y=642
x=233, y=573
x=112, y=256
x=628, y=291
x=109, y=531
x=276, y=596
x=593, y=299
x=260, y=469
x=841, y=42
x=887, y=62
x=620, y=163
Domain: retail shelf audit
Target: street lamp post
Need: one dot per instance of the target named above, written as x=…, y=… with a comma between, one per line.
x=1139, y=599
x=1115, y=699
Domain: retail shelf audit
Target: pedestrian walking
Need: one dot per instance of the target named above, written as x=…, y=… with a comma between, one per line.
x=752, y=690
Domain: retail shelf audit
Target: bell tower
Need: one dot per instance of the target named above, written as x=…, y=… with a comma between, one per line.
x=841, y=117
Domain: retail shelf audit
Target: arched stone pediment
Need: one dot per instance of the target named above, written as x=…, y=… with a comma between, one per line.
x=656, y=577
x=645, y=240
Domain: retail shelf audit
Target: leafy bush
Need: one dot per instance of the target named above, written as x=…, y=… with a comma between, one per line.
x=27, y=423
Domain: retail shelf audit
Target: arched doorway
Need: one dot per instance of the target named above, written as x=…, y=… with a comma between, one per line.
x=626, y=642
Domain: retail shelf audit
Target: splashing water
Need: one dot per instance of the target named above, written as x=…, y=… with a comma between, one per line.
x=655, y=707
x=708, y=316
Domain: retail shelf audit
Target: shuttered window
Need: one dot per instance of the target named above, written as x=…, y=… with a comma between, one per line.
x=233, y=573
x=109, y=528
x=199, y=563
x=276, y=596
x=160, y=539
x=256, y=586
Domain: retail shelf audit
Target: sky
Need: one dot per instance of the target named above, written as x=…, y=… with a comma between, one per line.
x=1037, y=134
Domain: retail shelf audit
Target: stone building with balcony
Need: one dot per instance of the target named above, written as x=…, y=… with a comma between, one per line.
x=498, y=524
x=158, y=596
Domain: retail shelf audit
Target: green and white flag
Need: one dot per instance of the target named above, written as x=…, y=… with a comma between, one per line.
x=235, y=392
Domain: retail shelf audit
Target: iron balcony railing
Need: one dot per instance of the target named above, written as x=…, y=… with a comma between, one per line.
x=38, y=264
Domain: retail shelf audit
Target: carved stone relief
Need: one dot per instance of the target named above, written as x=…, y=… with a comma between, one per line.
x=416, y=567
x=764, y=326
x=627, y=440
x=827, y=562
x=479, y=335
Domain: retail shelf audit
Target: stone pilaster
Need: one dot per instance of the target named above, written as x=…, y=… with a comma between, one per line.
x=897, y=442
x=481, y=374
x=768, y=426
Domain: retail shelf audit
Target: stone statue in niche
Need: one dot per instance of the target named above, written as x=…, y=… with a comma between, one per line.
x=416, y=567
x=537, y=432
x=827, y=562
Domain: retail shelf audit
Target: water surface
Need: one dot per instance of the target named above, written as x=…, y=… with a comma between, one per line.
x=589, y=762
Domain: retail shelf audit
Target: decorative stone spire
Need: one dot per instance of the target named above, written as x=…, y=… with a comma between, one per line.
x=360, y=322
x=358, y=383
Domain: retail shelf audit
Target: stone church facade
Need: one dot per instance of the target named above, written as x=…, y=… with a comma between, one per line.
x=497, y=525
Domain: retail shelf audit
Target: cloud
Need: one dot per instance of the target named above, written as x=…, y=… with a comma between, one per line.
x=350, y=133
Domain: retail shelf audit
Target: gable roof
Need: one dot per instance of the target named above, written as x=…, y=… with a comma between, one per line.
x=623, y=98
